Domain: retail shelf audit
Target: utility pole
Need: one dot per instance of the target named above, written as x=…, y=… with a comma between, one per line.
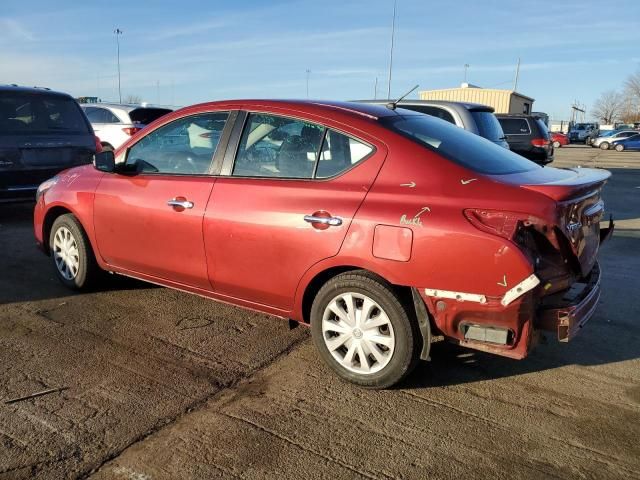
x=375, y=89
x=515, y=82
x=308, y=73
x=466, y=67
x=393, y=32
x=118, y=32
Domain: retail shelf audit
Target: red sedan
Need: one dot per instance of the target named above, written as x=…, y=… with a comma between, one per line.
x=559, y=139
x=379, y=227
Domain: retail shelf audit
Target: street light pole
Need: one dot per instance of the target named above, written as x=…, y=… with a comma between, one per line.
x=393, y=32
x=118, y=32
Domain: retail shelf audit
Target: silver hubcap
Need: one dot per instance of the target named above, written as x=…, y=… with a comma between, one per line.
x=65, y=253
x=358, y=333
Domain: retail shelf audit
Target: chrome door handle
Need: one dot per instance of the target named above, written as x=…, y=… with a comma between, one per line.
x=331, y=221
x=180, y=203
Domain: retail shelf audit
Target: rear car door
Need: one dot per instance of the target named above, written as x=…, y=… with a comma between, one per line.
x=148, y=219
x=283, y=203
x=41, y=134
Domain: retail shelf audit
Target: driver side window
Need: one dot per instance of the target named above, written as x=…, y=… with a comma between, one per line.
x=183, y=147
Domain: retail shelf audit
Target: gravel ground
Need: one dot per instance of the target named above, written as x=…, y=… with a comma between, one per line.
x=161, y=384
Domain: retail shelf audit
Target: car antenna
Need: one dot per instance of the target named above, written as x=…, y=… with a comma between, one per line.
x=394, y=104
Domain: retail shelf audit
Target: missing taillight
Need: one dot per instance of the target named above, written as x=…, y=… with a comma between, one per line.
x=503, y=224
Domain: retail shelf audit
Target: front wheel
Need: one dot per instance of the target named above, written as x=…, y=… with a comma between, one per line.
x=363, y=332
x=619, y=148
x=604, y=146
x=73, y=258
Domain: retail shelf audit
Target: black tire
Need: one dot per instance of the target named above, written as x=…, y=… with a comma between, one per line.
x=408, y=341
x=87, y=271
x=604, y=146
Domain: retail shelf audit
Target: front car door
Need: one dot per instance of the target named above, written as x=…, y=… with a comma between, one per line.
x=282, y=204
x=148, y=218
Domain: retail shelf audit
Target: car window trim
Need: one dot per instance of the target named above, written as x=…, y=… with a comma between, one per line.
x=213, y=157
x=236, y=136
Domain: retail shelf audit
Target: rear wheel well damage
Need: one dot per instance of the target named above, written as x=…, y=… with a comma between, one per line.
x=408, y=297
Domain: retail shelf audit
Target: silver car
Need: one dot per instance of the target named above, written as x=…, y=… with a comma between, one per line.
x=476, y=118
x=604, y=142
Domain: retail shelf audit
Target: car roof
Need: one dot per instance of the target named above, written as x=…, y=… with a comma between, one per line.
x=445, y=103
x=372, y=111
x=31, y=90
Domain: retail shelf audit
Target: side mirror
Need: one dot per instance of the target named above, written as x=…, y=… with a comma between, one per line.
x=105, y=161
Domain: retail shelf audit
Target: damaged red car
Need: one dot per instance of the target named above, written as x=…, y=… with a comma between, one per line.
x=379, y=227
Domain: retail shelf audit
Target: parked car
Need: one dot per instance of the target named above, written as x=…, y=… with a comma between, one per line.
x=603, y=142
x=527, y=136
x=41, y=133
x=584, y=133
x=114, y=123
x=473, y=117
x=629, y=143
x=379, y=227
x=559, y=139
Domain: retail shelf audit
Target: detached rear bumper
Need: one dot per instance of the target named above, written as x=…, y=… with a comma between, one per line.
x=570, y=313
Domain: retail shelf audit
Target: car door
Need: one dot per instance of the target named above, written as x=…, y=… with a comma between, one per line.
x=283, y=204
x=148, y=218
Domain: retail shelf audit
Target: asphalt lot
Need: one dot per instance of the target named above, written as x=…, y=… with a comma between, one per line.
x=164, y=385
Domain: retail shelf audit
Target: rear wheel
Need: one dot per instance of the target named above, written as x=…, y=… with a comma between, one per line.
x=619, y=147
x=363, y=332
x=71, y=253
x=556, y=144
x=604, y=146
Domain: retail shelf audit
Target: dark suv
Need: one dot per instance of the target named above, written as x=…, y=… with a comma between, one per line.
x=528, y=136
x=41, y=133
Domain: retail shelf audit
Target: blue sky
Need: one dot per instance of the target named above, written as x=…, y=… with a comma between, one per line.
x=192, y=51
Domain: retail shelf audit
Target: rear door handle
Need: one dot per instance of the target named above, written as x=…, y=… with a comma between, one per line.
x=174, y=202
x=331, y=221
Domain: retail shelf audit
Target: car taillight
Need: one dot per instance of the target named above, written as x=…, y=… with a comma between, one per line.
x=503, y=224
x=98, y=144
x=131, y=130
x=540, y=142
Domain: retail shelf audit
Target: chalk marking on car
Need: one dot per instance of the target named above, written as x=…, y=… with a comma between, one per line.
x=466, y=182
x=503, y=283
x=410, y=184
x=416, y=219
x=459, y=296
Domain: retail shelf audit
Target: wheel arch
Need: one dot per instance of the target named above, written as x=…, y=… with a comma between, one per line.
x=50, y=217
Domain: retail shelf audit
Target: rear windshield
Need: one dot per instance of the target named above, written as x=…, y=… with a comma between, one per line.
x=147, y=115
x=462, y=147
x=543, y=128
x=515, y=126
x=40, y=113
x=488, y=125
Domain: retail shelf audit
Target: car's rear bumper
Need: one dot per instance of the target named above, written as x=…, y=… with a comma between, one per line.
x=573, y=310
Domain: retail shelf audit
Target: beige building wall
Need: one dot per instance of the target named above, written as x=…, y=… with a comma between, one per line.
x=503, y=101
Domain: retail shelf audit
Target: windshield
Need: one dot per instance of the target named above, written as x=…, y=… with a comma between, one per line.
x=458, y=145
x=488, y=125
x=40, y=113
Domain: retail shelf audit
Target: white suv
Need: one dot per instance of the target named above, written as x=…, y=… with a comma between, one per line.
x=114, y=123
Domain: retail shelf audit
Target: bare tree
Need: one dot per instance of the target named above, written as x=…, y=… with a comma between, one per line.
x=133, y=99
x=608, y=107
x=631, y=103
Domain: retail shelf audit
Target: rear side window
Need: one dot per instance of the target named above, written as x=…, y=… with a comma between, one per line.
x=488, y=125
x=100, y=115
x=515, y=126
x=185, y=146
x=458, y=145
x=440, y=113
x=40, y=113
x=280, y=147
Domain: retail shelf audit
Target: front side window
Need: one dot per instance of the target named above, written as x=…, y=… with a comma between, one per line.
x=281, y=147
x=185, y=146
